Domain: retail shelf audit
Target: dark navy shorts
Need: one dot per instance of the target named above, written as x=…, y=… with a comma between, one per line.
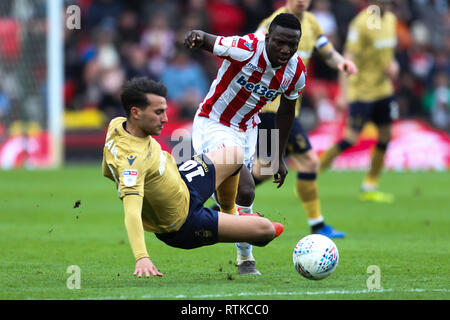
x=200, y=227
x=298, y=141
x=380, y=112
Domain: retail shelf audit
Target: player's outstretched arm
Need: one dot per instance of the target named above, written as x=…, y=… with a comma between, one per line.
x=199, y=39
x=132, y=205
x=341, y=100
x=336, y=61
x=392, y=70
x=284, y=118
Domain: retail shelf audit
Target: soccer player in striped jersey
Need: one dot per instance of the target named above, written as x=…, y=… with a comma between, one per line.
x=253, y=73
x=371, y=42
x=299, y=149
x=162, y=197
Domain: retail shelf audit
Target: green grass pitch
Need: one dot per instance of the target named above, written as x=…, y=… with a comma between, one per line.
x=43, y=232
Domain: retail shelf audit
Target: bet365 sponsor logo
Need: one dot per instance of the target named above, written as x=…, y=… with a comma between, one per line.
x=258, y=88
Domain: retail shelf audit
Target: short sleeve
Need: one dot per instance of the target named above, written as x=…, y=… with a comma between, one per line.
x=235, y=48
x=297, y=90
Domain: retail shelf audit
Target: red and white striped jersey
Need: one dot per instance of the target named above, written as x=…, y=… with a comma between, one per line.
x=246, y=81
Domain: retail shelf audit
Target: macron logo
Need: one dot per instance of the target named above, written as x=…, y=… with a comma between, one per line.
x=253, y=67
x=258, y=89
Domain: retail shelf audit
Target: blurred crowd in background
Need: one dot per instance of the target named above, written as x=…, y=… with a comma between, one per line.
x=123, y=39
x=120, y=39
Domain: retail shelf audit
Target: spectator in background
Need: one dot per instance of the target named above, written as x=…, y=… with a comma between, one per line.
x=226, y=17
x=186, y=82
x=433, y=14
x=439, y=102
x=196, y=19
x=408, y=96
x=255, y=11
x=135, y=63
x=344, y=11
x=101, y=10
x=171, y=10
x=420, y=58
x=321, y=10
x=110, y=85
x=5, y=103
x=158, y=40
x=128, y=28
x=102, y=70
x=326, y=19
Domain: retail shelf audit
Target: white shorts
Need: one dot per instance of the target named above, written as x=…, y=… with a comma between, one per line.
x=209, y=135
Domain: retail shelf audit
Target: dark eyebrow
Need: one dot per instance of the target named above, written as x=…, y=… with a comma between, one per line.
x=161, y=109
x=285, y=37
x=291, y=40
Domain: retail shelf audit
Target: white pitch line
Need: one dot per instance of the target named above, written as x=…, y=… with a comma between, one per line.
x=276, y=293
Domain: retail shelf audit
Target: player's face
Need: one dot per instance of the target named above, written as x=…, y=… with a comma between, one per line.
x=297, y=7
x=152, y=119
x=281, y=44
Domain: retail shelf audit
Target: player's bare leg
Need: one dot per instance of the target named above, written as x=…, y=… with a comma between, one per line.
x=253, y=229
x=371, y=180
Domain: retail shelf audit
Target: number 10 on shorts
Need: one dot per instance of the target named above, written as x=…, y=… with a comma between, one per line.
x=188, y=166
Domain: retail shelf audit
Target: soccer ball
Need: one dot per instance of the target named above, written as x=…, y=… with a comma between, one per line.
x=315, y=257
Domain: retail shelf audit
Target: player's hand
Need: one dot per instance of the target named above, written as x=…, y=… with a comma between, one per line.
x=145, y=267
x=392, y=70
x=281, y=174
x=347, y=66
x=194, y=39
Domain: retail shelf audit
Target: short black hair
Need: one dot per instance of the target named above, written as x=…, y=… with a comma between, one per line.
x=134, y=93
x=286, y=20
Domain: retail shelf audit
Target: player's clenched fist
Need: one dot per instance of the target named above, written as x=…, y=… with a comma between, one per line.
x=194, y=39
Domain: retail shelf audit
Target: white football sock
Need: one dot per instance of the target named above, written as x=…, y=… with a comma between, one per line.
x=244, y=249
x=369, y=187
x=313, y=222
x=245, y=209
x=244, y=252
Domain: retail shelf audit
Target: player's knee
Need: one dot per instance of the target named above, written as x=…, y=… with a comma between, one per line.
x=266, y=232
x=312, y=161
x=307, y=162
